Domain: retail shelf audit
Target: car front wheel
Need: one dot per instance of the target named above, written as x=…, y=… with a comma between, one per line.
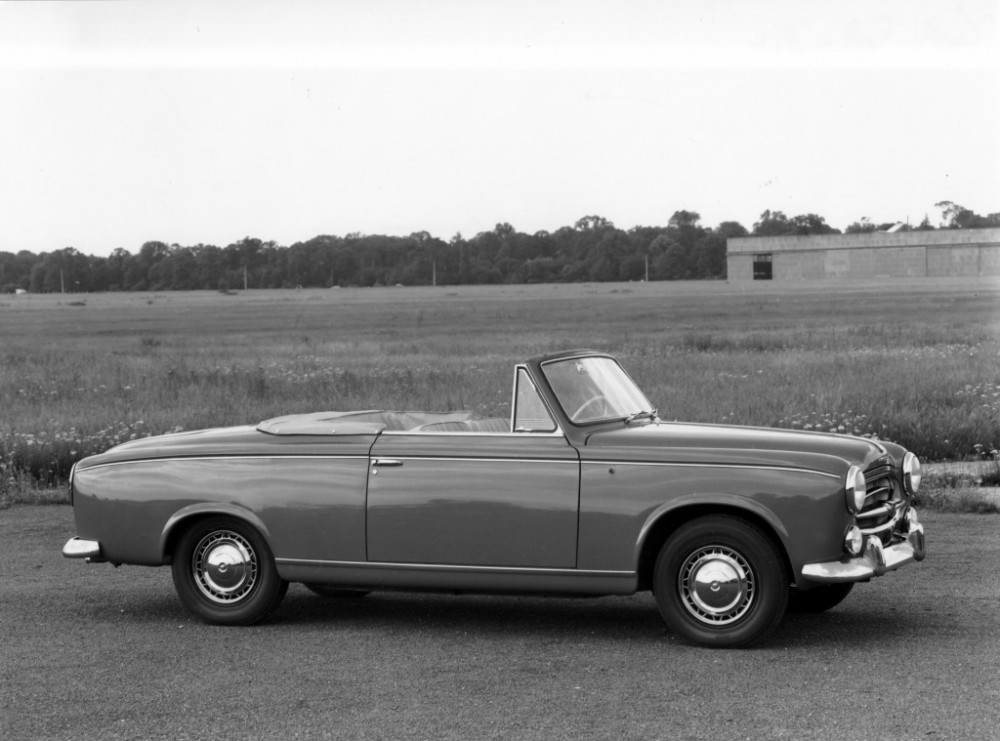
x=224, y=572
x=720, y=581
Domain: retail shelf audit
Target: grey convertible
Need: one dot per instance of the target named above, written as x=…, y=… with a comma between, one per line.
x=583, y=490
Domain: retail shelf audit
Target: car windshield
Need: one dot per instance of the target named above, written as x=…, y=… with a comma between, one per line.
x=596, y=389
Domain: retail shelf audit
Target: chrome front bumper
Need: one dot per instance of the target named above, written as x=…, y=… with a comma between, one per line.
x=81, y=548
x=876, y=559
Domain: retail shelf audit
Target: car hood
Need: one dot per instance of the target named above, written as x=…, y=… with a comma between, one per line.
x=723, y=444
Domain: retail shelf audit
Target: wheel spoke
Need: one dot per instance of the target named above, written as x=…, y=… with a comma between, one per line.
x=716, y=585
x=224, y=566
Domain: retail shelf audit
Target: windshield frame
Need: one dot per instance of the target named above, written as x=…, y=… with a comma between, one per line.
x=609, y=386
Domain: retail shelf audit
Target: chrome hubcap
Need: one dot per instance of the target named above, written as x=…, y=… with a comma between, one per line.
x=716, y=585
x=224, y=566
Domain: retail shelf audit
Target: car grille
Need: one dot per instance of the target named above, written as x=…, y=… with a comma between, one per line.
x=884, y=502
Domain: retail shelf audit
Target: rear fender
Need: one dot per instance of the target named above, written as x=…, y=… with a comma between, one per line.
x=183, y=517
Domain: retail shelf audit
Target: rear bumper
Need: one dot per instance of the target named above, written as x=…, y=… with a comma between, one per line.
x=82, y=548
x=876, y=559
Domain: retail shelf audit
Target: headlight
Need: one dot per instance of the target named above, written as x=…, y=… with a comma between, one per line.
x=855, y=489
x=854, y=541
x=911, y=473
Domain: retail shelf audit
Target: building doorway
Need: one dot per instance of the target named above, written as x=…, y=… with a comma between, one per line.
x=762, y=267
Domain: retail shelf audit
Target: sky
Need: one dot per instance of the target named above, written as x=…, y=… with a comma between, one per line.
x=204, y=123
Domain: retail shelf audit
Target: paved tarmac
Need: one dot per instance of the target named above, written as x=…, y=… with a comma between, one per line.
x=92, y=652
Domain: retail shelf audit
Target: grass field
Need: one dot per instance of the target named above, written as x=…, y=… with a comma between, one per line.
x=912, y=361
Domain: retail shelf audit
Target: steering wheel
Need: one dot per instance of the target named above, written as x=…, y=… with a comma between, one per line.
x=588, y=403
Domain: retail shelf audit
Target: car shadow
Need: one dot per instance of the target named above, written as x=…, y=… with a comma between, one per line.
x=632, y=618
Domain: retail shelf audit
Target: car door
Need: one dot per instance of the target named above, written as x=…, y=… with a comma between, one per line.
x=476, y=499
x=473, y=499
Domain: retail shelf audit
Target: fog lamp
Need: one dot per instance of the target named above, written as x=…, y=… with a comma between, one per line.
x=854, y=541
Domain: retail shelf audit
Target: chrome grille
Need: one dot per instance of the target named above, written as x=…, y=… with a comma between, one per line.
x=884, y=502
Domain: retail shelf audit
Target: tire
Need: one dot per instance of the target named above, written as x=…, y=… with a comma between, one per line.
x=328, y=590
x=224, y=572
x=720, y=581
x=819, y=599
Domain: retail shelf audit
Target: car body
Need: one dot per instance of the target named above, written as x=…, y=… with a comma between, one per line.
x=583, y=490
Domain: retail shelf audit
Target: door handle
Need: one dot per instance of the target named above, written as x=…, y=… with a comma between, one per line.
x=376, y=462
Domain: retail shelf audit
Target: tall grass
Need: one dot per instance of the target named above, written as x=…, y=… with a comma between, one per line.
x=917, y=364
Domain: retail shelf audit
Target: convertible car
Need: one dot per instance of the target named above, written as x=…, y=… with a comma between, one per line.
x=583, y=490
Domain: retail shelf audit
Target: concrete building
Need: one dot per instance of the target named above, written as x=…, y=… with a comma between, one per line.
x=930, y=254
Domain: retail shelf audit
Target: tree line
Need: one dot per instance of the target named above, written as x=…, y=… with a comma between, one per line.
x=593, y=249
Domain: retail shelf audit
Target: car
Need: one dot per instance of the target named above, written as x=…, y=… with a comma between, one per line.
x=582, y=490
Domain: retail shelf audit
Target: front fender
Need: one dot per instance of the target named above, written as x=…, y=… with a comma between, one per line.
x=687, y=507
x=623, y=505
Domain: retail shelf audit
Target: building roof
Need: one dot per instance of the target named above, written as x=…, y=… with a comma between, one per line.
x=868, y=240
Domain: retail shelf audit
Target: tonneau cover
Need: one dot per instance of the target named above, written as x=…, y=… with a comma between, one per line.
x=357, y=423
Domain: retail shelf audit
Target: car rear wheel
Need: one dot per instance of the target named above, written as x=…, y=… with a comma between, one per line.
x=819, y=599
x=224, y=572
x=721, y=581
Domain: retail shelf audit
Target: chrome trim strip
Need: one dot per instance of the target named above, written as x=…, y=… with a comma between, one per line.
x=794, y=469
x=478, y=459
x=879, y=491
x=526, y=570
x=482, y=459
x=470, y=433
x=574, y=461
x=898, y=510
x=235, y=456
x=882, y=510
